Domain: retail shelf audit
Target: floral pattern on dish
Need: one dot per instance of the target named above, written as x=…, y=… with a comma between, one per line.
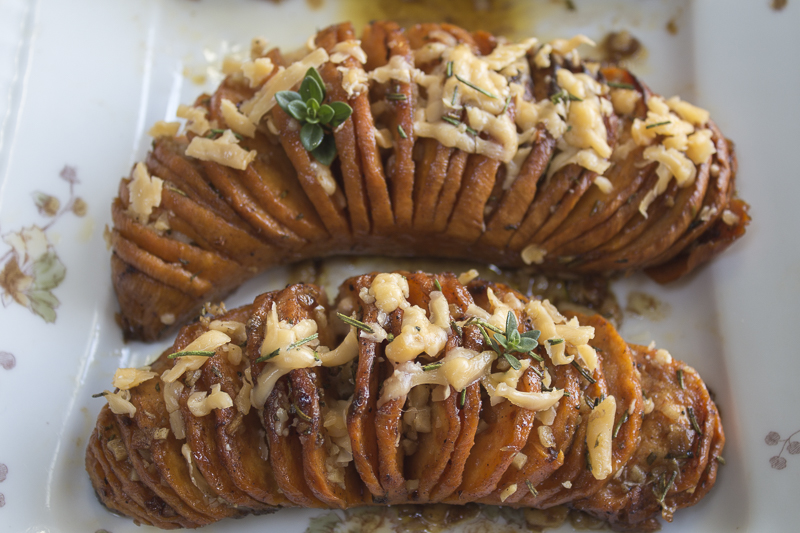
x=31, y=268
x=7, y=360
x=3, y=475
x=773, y=438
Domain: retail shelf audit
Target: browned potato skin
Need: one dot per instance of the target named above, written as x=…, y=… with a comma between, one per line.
x=153, y=485
x=418, y=198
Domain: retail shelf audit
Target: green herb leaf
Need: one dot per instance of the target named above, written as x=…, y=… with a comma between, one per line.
x=202, y=353
x=284, y=98
x=298, y=343
x=463, y=397
x=622, y=420
x=273, y=353
x=396, y=97
x=532, y=334
x=693, y=420
x=588, y=377
x=473, y=86
x=432, y=366
x=325, y=153
x=657, y=124
x=314, y=73
x=311, y=88
x=437, y=285
x=341, y=112
x=326, y=114
x=311, y=136
x=451, y=120
x=298, y=110
x=563, y=95
x=513, y=361
x=355, y=323
x=402, y=132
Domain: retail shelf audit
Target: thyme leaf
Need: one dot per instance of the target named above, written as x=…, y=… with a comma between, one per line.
x=202, y=353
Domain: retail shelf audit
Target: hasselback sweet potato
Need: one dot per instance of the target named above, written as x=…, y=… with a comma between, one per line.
x=411, y=388
x=572, y=167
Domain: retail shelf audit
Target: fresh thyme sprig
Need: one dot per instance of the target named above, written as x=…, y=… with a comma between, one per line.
x=657, y=124
x=318, y=119
x=511, y=340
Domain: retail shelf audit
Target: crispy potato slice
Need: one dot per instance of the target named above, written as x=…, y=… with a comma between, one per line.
x=673, y=461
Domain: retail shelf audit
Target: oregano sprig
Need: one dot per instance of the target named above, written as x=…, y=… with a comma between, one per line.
x=318, y=119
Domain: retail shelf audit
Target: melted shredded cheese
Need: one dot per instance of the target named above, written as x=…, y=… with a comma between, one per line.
x=128, y=378
x=598, y=437
x=283, y=80
x=164, y=129
x=145, y=193
x=235, y=120
x=225, y=150
x=196, y=120
x=207, y=342
x=257, y=70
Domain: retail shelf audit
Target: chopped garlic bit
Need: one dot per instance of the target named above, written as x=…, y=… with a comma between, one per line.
x=128, y=378
x=533, y=254
x=233, y=329
x=508, y=491
x=466, y=277
x=351, y=48
x=519, y=460
x=117, y=447
x=354, y=81
x=202, y=403
x=224, y=150
x=120, y=402
x=730, y=218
